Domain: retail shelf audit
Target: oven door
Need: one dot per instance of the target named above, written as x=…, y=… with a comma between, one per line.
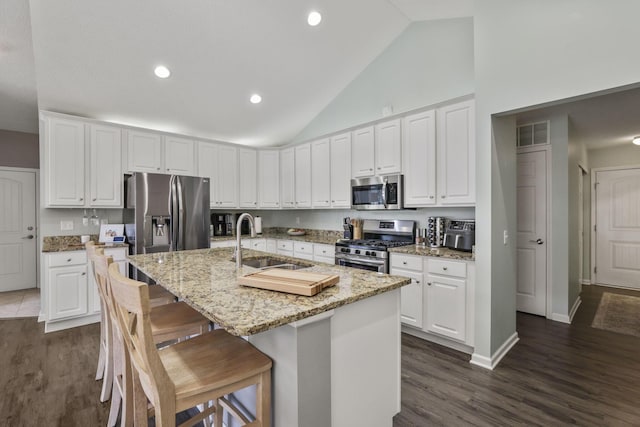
x=354, y=261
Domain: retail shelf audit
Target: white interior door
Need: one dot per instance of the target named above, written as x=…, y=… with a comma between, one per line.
x=17, y=230
x=618, y=227
x=531, y=292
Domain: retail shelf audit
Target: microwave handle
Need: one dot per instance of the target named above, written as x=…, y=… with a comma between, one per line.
x=384, y=192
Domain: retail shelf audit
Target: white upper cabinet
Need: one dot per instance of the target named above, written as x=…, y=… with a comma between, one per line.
x=105, y=166
x=269, y=179
x=248, y=178
x=340, y=171
x=388, y=147
x=456, y=153
x=321, y=173
x=419, y=159
x=303, y=176
x=82, y=164
x=220, y=164
x=145, y=152
x=64, y=163
x=287, y=178
x=179, y=156
x=155, y=153
x=363, y=152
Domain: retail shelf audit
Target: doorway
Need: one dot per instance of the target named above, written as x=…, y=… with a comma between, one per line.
x=532, y=229
x=616, y=232
x=18, y=238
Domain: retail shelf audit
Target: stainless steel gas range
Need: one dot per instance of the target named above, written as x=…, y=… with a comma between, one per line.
x=370, y=253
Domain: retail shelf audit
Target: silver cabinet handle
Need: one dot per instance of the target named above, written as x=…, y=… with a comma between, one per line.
x=428, y=283
x=444, y=268
x=158, y=169
x=404, y=262
x=538, y=241
x=431, y=197
x=95, y=200
x=30, y=236
x=370, y=169
x=81, y=199
x=69, y=260
x=84, y=274
x=418, y=282
x=443, y=196
x=29, y=228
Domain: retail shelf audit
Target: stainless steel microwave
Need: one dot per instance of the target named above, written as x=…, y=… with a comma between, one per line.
x=377, y=192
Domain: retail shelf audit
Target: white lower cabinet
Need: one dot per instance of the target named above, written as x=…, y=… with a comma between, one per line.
x=324, y=253
x=439, y=302
x=303, y=250
x=70, y=297
x=284, y=247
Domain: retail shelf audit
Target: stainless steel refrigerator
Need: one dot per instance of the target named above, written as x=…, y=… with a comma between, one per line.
x=166, y=213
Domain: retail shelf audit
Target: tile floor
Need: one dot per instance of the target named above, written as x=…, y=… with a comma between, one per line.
x=24, y=303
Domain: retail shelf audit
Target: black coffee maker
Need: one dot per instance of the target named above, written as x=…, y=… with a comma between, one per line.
x=222, y=224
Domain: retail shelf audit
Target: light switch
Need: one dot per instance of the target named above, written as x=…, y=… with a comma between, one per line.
x=66, y=225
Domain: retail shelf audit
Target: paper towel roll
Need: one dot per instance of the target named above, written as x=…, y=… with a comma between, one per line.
x=258, y=222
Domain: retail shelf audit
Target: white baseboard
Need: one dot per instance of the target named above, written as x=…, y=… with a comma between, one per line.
x=437, y=339
x=586, y=281
x=491, y=363
x=564, y=318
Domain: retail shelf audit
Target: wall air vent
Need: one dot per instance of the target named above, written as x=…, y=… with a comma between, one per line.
x=533, y=134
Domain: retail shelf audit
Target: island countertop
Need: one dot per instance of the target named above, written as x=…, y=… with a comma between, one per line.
x=207, y=280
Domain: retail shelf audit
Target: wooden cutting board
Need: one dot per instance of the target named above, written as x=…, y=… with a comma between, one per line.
x=294, y=282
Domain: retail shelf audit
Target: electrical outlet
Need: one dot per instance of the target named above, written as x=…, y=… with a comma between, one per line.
x=506, y=237
x=297, y=220
x=66, y=225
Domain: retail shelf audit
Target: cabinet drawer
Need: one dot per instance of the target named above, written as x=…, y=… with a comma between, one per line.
x=118, y=254
x=67, y=258
x=447, y=268
x=303, y=248
x=406, y=262
x=320, y=250
x=284, y=245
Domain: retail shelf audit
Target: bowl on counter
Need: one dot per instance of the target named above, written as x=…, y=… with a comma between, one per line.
x=296, y=232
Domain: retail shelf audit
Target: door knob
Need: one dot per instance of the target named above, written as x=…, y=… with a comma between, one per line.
x=30, y=228
x=30, y=236
x=539, y=241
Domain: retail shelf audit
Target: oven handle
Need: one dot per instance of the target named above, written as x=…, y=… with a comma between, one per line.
x=360, y=260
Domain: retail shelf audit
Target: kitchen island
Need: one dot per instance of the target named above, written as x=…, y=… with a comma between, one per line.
x=336, y=354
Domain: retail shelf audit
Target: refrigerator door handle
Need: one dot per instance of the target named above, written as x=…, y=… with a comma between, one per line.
x=173, y=211
x=180, y=244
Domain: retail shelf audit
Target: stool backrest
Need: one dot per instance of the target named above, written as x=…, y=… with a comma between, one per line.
x=132, y=309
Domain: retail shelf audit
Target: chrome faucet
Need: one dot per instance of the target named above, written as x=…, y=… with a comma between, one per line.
x=238, y=251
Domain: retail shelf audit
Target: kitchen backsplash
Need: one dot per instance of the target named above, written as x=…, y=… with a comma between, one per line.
x=50, y=221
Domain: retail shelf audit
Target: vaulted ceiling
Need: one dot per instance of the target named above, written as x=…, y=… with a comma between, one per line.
x=96, y=59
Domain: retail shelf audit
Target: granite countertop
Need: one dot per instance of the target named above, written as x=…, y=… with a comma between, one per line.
x=327, y=237
x=72, y=243
x=206, y=280
x=436, y=252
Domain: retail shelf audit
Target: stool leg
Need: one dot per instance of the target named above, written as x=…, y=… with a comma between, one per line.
x=219, y=413
x=107, y=349
x=263, y=400
x=101, y=356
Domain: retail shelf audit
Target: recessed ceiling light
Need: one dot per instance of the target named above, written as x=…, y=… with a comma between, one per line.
x=162, y=71
x=314, y=18
x=636, y=140
x=255, y=99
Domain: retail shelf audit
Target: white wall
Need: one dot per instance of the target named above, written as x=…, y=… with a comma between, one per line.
x=428, y=63
x=528, y=53
x=50, y=221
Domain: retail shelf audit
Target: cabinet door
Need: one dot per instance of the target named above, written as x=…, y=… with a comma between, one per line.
x=269, y=179
x=248, y=178
x=64, y=163
x=363, y=152
x=208, y=168
x=456, y=154
x=411, y=309
x=388, y=147
x=287, y=178
x=419, y=159
x=144, y=152
x=67, y=291
x=105, y=166
x=321, y=173
x=271, y=246
x=228, y=177
x=179, y=156
x=303, y=176
x=341, y=171
x=445, y=306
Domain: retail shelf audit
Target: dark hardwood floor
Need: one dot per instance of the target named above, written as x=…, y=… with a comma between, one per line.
x=557, y=374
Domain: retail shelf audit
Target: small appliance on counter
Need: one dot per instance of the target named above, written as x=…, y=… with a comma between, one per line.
x=436, y=226
x=460, y=234
x=222, y=224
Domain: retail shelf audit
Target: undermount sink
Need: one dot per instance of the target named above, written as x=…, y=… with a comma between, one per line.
x=271, y=262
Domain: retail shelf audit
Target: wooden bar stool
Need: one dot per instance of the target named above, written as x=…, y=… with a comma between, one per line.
x=158, y=296
x=169, y=322
x=183, y=375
